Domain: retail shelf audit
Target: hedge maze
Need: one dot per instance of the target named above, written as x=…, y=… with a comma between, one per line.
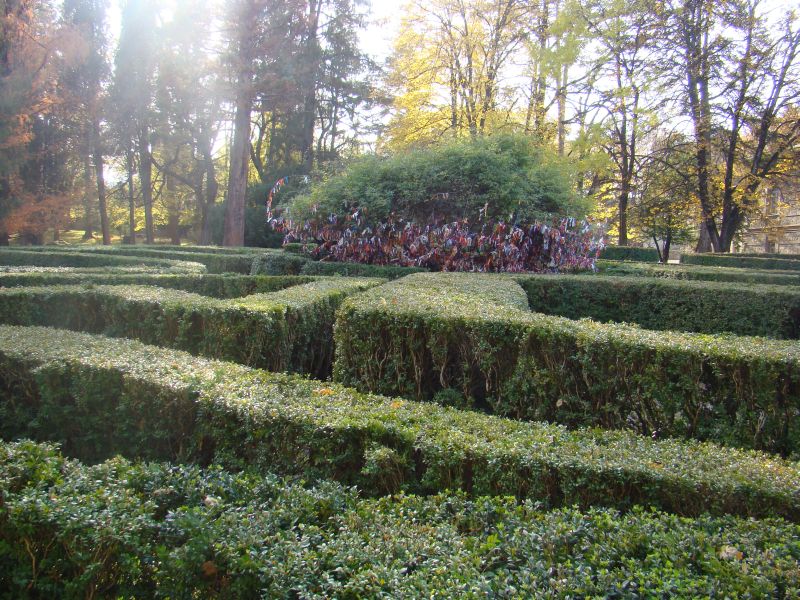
x=204, y=422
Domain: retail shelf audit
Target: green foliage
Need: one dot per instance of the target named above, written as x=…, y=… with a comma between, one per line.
x=181, y=531
x=257, y=233
x=742, y=262
x=291, y=329
x=218, y=286
x=278, y=262
x=472, y=333
x=629, y=253
x=295, y=248
x=214, y=262
x=510, y=174
x=664, y=304
x=358, y=270
x=700, y=273
x=100, y=396
x=45, y=257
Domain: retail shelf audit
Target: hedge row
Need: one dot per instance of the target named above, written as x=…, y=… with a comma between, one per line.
x=664, y=304
x=102, y=396
x=769, y=255
x=693, y=272
x=629, y=253
x=448, y=337
x=278, y=262
x=742, y=262
x=288, y=330
x=214, y=262
x=185, y=532
x=91, y=259
x=218, y=286
x=358, y=270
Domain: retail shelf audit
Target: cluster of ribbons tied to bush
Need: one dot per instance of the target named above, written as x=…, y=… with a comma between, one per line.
x=563, y=244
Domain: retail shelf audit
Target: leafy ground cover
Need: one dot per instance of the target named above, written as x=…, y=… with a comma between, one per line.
x=122, y=529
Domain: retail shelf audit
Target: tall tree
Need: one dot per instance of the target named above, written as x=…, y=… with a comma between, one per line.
x=626, y=94
x=462, y=48
x=260, y=35
x=741, y=77
x=133, y=94
x=86, y=82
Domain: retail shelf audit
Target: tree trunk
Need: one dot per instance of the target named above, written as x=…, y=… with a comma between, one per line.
x=212, y=188
x=237, y=179
x=146, y=182
x=623, y=214
x=88, y=226
x=101, y=184
x=131, y=198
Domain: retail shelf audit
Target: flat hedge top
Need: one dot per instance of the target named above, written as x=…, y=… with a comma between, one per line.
x=672, y=285
x=449, y=294
x=296, y=296
x=259, y=397
x=710, y=272
x=498, y=298
x=93, y=259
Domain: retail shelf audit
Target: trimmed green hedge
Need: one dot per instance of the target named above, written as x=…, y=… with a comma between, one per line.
x=769, y=255
x=91, y=259
x=278, y=262
x=663, y=304
x=100, y=396
x=215, y=262
x=629, y=253
x=699, y=273
x=291, y=329
x=127, y=530
x=452, y=338
x=228, y=285
x=741, y=262
x=358, y=270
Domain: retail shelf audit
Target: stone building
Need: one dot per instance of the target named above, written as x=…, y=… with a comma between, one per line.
x=776, y=226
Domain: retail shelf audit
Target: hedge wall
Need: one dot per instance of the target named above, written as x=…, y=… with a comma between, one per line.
x=663, y=304
x=629, y=253
x=448, y=337
x=185, y=532
x=742, y=262
x=695, y=272
x=91, y=259
x=215, y=262
x=278, y=262
x=218, y=286
x=291, y=329
x=358, y=270
x=101, y=396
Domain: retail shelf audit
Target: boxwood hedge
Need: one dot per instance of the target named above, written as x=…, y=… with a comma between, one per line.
x=695, y=272
x=215, y=262
x=358, y=270
x=629, y=253
x=100, y=396
x=465, y=337
x=67, y=258
x=227, y=285
x=743, y=262
x=278, y=262
x=291, y=329
x=653, y=303
x=126, y=530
